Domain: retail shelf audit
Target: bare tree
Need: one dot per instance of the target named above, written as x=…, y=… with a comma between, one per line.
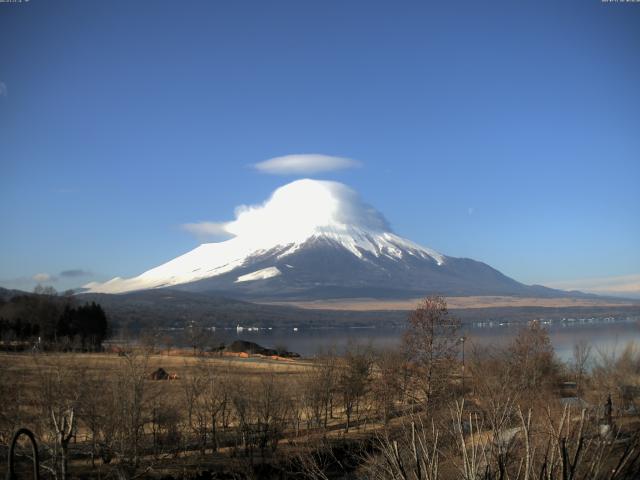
x=128, y=407
x=242, y=404
x=65, y=428
x=353, y=380
x=271, y=410
x=12, y=395
x=91, y=410
x=413, y=454
x=206, y=396
x=320, y=387
x=165, y=423
x=389, y=382
x=216, y=393
x=617, y=374
x=533, y=360
x=581, y=357
x=565, y=445
x=58, y=398
x=193, y=404
x=431, y=342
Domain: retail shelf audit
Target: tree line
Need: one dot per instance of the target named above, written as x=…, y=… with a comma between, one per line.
x=45, y=319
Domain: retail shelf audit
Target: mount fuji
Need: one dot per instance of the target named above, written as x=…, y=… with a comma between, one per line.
x=317, y=240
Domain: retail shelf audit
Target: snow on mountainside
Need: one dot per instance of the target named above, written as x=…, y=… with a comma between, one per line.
x=318, y=239
x=295, y=214
x=261, y=274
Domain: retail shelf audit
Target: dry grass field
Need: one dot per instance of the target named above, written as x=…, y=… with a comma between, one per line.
x=369, y=304
x=106, y=385
x=27, y=369
x=332, y=417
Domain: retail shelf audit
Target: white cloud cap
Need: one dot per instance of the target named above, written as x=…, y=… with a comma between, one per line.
x=294, y=210
x=305, y=164
x=43, y=277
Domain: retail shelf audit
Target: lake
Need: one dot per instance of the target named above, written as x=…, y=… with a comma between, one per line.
x=607, y=336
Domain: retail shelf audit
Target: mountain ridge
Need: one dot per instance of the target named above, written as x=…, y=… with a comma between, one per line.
x=316, y=239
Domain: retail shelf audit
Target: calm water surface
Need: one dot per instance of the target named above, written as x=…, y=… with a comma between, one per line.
x=608, y=337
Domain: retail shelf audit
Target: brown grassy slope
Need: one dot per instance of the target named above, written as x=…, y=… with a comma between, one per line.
x=369, y=304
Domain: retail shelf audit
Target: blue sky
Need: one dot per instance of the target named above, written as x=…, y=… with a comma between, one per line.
x=508, y=132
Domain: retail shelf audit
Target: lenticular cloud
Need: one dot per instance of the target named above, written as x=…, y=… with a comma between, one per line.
x=305, y=164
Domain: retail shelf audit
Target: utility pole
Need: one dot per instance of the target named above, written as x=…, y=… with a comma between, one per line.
x=462, y=340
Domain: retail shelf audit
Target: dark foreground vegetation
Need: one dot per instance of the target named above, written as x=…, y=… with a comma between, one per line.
x=46, y=320
x=436, y=408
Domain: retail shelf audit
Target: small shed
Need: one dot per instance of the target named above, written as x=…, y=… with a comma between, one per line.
x=159, y=374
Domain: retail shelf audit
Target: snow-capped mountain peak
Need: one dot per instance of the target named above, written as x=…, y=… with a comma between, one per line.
x=301, y=213
x=298, y=213
x=313, y=240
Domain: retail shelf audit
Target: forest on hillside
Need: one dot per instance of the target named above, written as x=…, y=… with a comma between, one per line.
x=46, y=320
